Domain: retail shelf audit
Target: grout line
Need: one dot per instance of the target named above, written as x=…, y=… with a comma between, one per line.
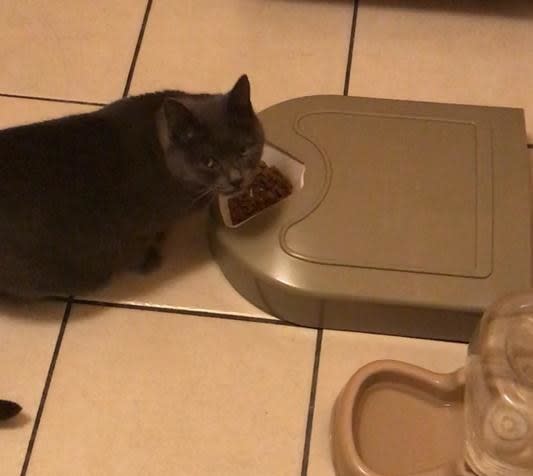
x=137, y=48
x=232, y=317
x=312, y=397
x=350, y=49
x=46, y=388
x=39, y=98
x=184, y=312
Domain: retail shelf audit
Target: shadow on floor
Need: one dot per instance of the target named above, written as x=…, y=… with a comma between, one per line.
x=509, y=8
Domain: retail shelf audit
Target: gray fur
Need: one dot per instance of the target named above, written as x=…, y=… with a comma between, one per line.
x=86, y=196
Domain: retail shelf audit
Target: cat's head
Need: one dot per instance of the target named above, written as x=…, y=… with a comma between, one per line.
x=212, y=142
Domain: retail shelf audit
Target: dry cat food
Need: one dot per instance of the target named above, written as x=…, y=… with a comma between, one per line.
x=268, y=188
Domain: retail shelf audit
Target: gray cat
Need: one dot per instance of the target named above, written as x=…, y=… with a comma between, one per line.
x=86, y=196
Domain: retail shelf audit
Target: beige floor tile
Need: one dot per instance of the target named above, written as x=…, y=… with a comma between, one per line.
x=15, y=111
x=189, y=277
x=343, y=353
x=28, y=335
x=444, y=51
x=288, y=48
x=74, y=50
x=137, y=393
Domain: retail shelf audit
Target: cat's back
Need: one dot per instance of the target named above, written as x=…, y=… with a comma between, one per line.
x=54, y=149
x=54, y=172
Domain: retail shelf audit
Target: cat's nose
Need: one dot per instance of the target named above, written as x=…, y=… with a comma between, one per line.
x=235, y=178
x=236, y=182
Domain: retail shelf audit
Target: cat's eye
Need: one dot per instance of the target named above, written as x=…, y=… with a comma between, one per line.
x=243, y=151
x=210, y=163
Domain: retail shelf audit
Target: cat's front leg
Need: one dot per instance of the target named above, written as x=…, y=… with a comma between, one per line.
x=151, y=259
x=160, y=237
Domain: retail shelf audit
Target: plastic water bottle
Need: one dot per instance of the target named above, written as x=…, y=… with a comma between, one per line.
x=499, y=391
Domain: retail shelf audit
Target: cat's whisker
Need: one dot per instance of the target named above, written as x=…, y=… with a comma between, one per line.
x=202, y=195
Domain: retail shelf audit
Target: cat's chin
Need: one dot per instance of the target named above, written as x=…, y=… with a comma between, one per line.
x=230, y=193
x=233, y=192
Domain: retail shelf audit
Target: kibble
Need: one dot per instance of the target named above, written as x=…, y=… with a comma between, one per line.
x=269, y=187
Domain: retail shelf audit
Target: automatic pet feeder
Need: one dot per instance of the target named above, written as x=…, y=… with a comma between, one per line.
x=407, y=218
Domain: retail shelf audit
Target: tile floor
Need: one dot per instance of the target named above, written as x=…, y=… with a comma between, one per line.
x=177, y=374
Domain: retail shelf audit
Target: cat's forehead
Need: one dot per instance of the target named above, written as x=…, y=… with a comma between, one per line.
x=213, y=113
x=210, y=110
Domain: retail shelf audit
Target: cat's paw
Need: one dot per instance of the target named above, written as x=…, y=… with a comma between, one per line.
x=152, y=261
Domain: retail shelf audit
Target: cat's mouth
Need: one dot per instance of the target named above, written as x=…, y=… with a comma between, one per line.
x=232, y=191
x=228, y=193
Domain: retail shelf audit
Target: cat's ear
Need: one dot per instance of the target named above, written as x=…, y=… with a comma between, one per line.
x=239, y=98
x=181, y=124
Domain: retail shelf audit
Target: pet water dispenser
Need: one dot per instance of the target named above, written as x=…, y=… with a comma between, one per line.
x=406, y=218
x=395, y=419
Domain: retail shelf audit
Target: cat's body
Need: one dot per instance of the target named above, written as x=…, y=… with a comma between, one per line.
x=77, y=199
x=85, y=196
